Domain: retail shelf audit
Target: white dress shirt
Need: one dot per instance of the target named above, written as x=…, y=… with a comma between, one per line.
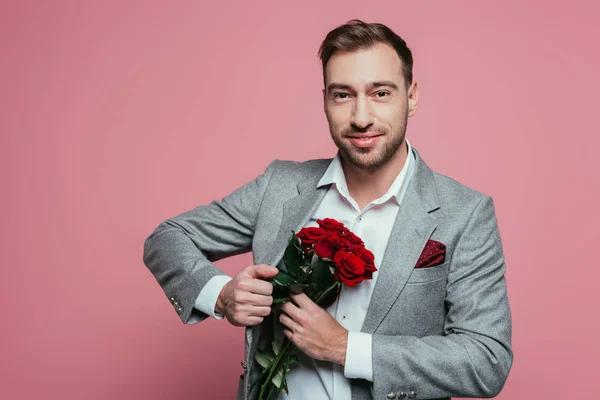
x=313, y=379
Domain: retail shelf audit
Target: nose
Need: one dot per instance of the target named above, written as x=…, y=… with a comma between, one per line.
x=362, y=116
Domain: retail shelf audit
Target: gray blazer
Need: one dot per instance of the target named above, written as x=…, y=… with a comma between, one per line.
x=437, y=332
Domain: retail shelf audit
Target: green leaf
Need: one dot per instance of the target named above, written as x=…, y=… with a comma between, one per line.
x=311, y=291
x=263, y=359
x=276, y=347
x=283, y=279
x=279, y=301
x=278, y=379
x=321, y=275
x=303, y=272
x=298, y=288
x=280, y=292
x=293, y=257
x=330, y=298
x=292, y=359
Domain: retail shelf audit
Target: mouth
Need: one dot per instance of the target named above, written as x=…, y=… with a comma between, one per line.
x=365, y=140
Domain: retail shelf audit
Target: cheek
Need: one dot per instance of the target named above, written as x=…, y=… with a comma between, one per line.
x=390, y=115
x=338, y=117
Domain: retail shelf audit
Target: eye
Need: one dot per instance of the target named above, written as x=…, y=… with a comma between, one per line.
x=340, y=95
x=382, y=94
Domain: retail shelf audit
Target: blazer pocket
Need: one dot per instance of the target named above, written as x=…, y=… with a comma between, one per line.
x=424, y=275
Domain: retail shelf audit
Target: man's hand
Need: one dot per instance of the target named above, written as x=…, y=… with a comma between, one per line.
x=313, y=330
x=246, y=299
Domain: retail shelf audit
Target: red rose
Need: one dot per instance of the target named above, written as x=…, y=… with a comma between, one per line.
x=352, y=239
x=368, y=258
x=327, y=245
x=350, y=268
x=308, y=236
x=331, y=224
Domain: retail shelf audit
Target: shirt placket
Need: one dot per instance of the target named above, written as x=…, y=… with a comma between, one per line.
x=344, y=314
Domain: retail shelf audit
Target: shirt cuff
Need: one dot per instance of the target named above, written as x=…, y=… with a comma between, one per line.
x=207, y=299
x=359, y=361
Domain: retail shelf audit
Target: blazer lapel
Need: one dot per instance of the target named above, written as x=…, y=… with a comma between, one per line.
x=295, y=213
x=297, y=210
x=412, y=228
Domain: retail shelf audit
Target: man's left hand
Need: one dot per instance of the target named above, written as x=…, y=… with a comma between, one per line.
x=313, y=330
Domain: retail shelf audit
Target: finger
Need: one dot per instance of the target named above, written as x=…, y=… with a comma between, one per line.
x=253, y=285
x=302, y=300
x=244, y=320
x=262, y=271
x=260, y=311
x=290, y=309
x=250, y=299
x=288, y=322
x=258, y=286
x=290, y=335
x=259, y=300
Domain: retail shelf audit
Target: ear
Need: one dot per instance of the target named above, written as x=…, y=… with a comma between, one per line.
x=413, y=98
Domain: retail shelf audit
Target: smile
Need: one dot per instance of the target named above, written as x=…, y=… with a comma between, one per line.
x=365, y=141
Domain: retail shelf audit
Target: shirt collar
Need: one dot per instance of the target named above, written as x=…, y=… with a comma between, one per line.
x=335, y=175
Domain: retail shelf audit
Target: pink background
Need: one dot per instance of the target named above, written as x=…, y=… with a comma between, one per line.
x=117, y=115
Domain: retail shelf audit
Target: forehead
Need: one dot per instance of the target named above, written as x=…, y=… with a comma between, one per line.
x=358, y=68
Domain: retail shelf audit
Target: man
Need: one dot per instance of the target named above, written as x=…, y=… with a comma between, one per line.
x=410, y=332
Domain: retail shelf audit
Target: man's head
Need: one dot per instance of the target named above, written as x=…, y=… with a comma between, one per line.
x=369, y=93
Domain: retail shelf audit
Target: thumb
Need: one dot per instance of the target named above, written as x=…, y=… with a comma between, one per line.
x=262, y=271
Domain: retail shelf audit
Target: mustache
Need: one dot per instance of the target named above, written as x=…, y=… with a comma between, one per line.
x=352, y=130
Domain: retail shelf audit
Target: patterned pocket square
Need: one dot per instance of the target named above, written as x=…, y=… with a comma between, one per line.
x=433, y=254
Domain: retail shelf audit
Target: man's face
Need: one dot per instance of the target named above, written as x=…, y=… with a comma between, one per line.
x=367, y=105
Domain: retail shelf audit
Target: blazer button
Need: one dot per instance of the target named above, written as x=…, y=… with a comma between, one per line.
x=412, y=394
x=179, y=310
x=172, y=300
x=401, y=395
x=391, y=395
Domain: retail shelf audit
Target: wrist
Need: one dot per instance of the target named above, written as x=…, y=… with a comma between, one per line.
x=339, y=356
x=219, y=307
x=220, y=304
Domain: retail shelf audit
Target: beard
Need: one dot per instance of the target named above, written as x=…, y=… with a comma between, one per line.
x=370, y=158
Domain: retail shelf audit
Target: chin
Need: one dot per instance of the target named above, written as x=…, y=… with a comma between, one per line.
x=371, y=162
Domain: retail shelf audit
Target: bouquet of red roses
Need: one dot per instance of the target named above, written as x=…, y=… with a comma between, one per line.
x=318, y=261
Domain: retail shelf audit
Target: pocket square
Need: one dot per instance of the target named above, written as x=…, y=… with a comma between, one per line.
x=433, y=254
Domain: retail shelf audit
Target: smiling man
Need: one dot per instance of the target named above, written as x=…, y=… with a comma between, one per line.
x=434, y=322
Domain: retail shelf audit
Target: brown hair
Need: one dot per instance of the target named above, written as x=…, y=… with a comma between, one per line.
x=357, y=35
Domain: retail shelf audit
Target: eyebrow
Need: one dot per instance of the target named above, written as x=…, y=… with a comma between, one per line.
x=370, y=86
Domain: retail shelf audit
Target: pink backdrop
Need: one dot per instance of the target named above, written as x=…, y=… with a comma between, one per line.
x=117, y=115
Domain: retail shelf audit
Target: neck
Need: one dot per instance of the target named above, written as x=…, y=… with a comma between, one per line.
x=367, y=185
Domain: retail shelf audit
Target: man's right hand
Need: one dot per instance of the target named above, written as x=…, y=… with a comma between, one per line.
x=246, y=299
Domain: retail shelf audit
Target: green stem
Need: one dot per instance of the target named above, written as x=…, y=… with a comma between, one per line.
x=287, y=348
x=284, y=373
x=263, y=387
x=326, y=292
x=263, y=373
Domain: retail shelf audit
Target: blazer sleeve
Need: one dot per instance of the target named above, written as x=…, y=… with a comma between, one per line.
x=181, y=250
x=474, y=356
